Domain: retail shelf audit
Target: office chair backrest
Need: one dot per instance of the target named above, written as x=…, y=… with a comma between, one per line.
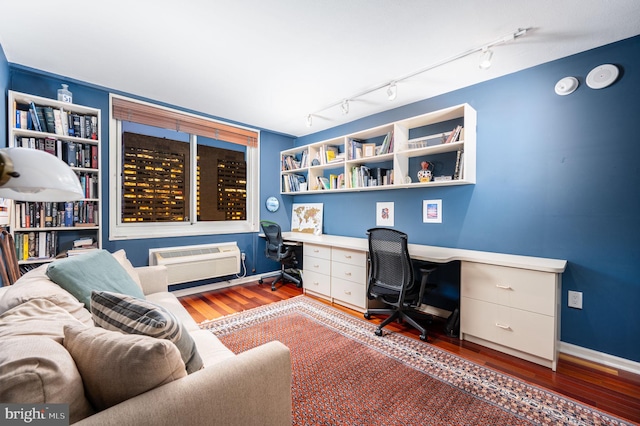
x=273, y=234
x=390, y=265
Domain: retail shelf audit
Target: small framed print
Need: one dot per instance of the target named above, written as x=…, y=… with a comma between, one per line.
x=368, y=149
x=432, y=211
x=384, y=214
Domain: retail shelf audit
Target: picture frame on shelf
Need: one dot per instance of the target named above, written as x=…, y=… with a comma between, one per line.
x=368, y=149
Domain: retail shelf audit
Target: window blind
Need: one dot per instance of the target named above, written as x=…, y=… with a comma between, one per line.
x=150, y=115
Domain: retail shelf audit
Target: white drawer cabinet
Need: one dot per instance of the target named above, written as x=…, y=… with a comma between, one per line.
x=336, y=274
x=317, y=270
x=349, y=277
x=511, y=309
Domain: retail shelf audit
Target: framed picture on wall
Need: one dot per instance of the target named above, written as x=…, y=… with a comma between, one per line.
x=432, y=211
x=384, y=214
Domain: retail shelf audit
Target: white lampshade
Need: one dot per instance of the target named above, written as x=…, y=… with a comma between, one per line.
x=32, y=175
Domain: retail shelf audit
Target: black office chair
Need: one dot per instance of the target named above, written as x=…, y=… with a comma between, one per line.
x=391, y=279
x=277, y=250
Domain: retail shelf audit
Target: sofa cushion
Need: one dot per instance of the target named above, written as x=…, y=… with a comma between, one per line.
x=116, y=366
x=37, y=317
x=97, y=270
x=37, y=370
x=121, y=257
x=36, y=285
x=119, y=312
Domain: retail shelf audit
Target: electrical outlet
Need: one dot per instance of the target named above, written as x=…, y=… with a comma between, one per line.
x=575, y=299
x=243, y=255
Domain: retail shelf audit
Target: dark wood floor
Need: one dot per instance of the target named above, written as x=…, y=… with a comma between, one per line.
x=611, y=390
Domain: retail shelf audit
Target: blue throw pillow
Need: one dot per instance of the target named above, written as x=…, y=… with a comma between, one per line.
x=97, y=270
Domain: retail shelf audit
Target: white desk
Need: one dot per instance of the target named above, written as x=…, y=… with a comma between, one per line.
x=508, y=302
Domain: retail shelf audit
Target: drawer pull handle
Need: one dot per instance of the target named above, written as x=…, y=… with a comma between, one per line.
x=316, y=251
x=316, y=283
x=316, y=266
x=502, y=326
x=348, y=274
x=347, y=256
x=347, y=293
x=504, y=287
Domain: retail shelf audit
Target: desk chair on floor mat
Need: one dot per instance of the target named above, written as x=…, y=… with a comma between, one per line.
x=277, y=250
x=391, y=278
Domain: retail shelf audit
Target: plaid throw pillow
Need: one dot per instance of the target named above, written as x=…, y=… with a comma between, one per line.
x=120, y=312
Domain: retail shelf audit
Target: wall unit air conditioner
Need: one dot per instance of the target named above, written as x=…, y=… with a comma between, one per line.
x=198, y=262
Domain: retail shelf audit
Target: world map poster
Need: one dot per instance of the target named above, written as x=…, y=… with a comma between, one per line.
x=307, y=218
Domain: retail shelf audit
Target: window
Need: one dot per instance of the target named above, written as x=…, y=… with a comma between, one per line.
x=170, y=182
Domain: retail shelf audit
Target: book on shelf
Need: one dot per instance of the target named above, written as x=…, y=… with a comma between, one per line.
x=323, y=183
x=83, y=242
x=35, y=119
x=355, y=149
x=457, y=174
x=454, y=135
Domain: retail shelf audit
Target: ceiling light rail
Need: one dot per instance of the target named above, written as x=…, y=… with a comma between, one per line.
x=392, y=87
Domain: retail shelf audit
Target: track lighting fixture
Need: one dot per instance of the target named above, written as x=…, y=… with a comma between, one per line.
x=345, y=106
x=309, y=120
x=485, y=59
x=392, y=89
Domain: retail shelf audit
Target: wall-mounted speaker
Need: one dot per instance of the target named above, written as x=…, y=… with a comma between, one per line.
x=602, y=76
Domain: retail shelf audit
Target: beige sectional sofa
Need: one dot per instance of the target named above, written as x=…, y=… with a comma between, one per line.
x=51, y=353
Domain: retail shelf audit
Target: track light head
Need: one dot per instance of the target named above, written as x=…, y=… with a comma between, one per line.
x=392, y=91
x=309, y=120
x=485, y=59
x=345, y=106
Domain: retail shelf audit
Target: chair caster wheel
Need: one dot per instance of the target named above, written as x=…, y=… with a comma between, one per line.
x=423, y=337
x=260, y=281
x=378, y=332
x=273, y=289
x=367, y=315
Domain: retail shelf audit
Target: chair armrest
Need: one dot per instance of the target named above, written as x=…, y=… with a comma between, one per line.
x=252, y=388
x=154, y=279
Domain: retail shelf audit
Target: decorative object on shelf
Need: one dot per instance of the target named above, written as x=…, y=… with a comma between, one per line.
x=602, y=76
x=566, y=86
x=32, y=175
x=64, y=94
x=426, y=173
x=272, y=204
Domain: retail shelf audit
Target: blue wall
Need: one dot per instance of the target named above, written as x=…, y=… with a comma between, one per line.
x=4, y=85
x=557, y=176
x=39, y=83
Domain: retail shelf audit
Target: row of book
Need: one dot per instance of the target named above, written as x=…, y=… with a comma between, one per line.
x=56, y=120
x=36, y=245
x=294, y=183
x=75, y=154
x=36, y=214
x=332, y=182
x=356, y=148
x=455, y=135
x=292, y=162
x=363, y=176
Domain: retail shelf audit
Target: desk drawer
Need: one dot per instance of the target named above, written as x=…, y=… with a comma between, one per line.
x=356, y=274
x=352, y=257
x=316, y=282
x=318, y=265
x=349, y=292
x=315, y=250
x=533, y=291
x=522, y=330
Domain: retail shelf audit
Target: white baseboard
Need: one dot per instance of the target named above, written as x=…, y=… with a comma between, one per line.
x=600, y=357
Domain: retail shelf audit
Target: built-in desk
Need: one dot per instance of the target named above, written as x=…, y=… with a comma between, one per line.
x=508, y=302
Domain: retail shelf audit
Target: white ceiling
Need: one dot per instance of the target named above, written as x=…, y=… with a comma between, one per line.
x=269, y=63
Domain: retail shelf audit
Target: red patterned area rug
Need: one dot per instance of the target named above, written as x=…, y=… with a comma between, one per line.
x=343, y=374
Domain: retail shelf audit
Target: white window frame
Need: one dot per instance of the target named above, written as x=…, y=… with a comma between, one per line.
x=128, y=231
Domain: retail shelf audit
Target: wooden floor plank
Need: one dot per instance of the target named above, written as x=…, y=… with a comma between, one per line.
x=614, y=391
